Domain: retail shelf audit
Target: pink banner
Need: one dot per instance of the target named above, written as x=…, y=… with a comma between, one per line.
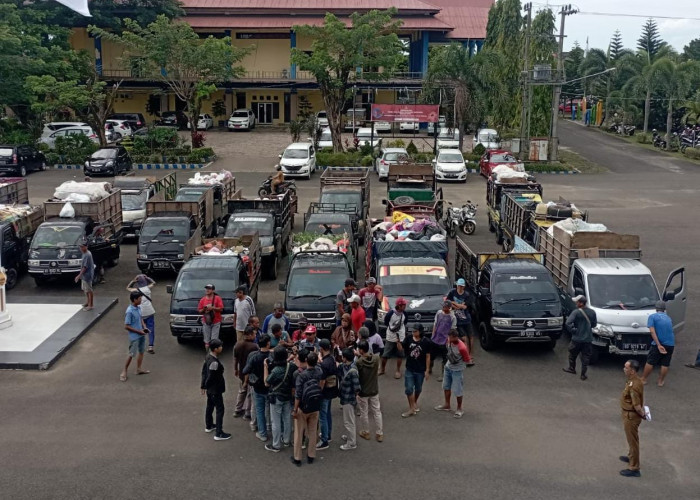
x=405, y=113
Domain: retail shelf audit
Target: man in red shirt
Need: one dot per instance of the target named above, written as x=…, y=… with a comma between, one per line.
x=371, y=296
x=210, y=307
x=357, y=313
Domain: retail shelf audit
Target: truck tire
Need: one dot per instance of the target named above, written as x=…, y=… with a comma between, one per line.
x=181, y=340
x=550, y=345
x=499, y=236
x=559, y=211
x=507, y=244
x=272, y=269
x=487, y=338
x=404, y=200
x=595, y=355
x=12, y=275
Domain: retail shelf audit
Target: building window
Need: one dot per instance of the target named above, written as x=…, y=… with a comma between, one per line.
x=276, y=98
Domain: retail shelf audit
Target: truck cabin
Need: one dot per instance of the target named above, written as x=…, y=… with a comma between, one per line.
x=248, y=223
x=61, y=233
x=195, y=192
x=345, y=196
x=317, y=276
x=329, y=223
x=168, y=226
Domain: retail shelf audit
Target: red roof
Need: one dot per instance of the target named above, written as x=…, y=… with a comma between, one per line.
x=305, y=5
x=469, y=17
x=427, y=23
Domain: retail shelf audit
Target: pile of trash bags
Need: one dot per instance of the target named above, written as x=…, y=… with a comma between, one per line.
x=402, y=227
x=502, y=173
x=321, y=243
x=572, y=226
x=82, y=192
x=210, y=179
x=219, y=247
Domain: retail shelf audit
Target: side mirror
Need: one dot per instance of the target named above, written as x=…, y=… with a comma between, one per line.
x=279, y=156
x=434, y=161
x=282, y=287
x=169, y=289
x=669, y=296
x=578, y=291
x=278, y=167
x=383, y=202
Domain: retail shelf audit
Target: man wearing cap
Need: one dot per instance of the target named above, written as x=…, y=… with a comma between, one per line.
x=300, y=334
x=417, y=349
x=213, y=386
x=341, y=300
x=277, y=317
x=143, y=284
x=210, y=307
x=357, y=313
x=458, y=297
x=445, y=321
x=310, y=341
x=86, y=276
x=395, y=321
x=580, y=323
x=134, y=325
x=243, y=309
x=371, y=296
x=661, y=328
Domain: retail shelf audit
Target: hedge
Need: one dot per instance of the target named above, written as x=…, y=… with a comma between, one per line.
x=692, y=153
x=547, y=167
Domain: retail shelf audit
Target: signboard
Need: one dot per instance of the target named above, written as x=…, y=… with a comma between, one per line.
x=405, y=113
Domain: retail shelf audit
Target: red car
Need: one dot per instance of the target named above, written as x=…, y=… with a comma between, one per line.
x=565, y=107
x=495, y=157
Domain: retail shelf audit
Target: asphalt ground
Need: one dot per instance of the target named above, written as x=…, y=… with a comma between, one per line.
x=529, y=430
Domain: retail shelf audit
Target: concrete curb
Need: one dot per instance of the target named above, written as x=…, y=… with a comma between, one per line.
x=469, y=170
x=143, y=166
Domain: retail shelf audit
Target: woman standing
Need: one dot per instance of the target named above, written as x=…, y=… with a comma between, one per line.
x=143, y=284
x=343, y=336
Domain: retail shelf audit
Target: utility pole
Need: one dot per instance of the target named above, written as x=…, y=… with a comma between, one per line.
x=566, y=10
x=525, y=77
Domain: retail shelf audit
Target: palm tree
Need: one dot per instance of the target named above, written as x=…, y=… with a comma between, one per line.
x=674, y=81
x=692, y=111
x=473, y=81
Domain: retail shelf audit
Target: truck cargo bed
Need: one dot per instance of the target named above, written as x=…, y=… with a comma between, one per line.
x=13, y=190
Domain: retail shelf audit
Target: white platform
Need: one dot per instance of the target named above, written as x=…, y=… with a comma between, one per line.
x=33, y=324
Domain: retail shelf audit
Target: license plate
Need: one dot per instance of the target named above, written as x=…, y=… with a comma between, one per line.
x=634, y=347
x=236, y=126
x=52, y=271
x=530, y=333
x=451, y=176
x=324, y=326
x=161, y=264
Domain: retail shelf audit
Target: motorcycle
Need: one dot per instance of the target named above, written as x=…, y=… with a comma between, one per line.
x=265, y=190
x=464, y=217
x=658, y=140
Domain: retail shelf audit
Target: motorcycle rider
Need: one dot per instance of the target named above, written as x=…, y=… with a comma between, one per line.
x=277, y=180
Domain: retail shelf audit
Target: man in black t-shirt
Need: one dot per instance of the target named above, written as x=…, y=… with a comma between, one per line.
x=417, y=349
x=459, y=298
x=329, y=391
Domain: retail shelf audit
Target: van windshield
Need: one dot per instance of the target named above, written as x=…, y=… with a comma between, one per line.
x=516, y=290
x=295, y=154
x=191, y=283
x=622, y=291
x=164, y=229
x=57, y=236
x=316, y=282
x=134, y=201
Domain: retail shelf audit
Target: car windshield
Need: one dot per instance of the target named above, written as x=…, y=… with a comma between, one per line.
x=413, y=281
x=191, y=284
x=326, y=136
x=450, y=158
x=102, y=154
x=504, y=158
x=395, y=156
x=57, y=236
x=487, y=137
x=6, y=151
x=185, y=194
x=295, y=154
x=622, y=291
x=446, y=134
x=240, y=114
x=168, y=114
x=515, y=289
x=332, y=197
x=134, y=201
x=322, y=114
x=314, y=282
x=239, y=226
x=164, y=229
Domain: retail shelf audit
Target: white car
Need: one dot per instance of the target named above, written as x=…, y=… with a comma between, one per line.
x=409, y=126
x=298, y=160
x=450, y=166
x=51, y=127
x=241, y=119
x=382, y=126
x=387, y=157
x=205, y=122
x=326, y=140
x=448, y=138
x=488, y=138
x=442, y=123
x=122, y=128
x=86, y=130
x=322, y=119
x=364, y=136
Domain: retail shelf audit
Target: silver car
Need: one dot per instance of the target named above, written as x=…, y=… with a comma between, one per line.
x=387, y=157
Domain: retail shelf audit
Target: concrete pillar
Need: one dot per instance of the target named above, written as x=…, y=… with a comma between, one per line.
x=293, y=104
x=424, y=52
x=293, y=45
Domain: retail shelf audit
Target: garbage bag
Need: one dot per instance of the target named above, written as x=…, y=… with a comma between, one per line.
x=67, y=211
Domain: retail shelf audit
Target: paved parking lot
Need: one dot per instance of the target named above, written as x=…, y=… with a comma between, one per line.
x=529, y=430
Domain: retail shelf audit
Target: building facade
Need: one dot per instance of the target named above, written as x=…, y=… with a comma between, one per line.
x=271, y=86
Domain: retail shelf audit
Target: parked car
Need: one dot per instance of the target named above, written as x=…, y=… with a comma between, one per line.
x=241, y=119
x=110, y=133
x=565, y=107
x=86, y=130
x=322, y=119
x=355, y=118
x=387, y=157
x=442, y=123
x=176, y=119
x=450, y=166
x=488, y=138
x=121, y=128
x=448, y=138
x=205, y=122
x=19, y=160
x=409, y=126
x=111, y=161
x=493, y=158
x=382, y=126
x=298, y=160
x=135, y=120
x=326, y=140
x=364, y=135
x=51, y=127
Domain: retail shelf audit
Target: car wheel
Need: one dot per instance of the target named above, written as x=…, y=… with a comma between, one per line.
x=550, y=345
x=11, y=278
x=486, y=337
x=22, y=171
x=272, y=269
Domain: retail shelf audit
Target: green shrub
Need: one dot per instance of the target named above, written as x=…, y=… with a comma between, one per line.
x=367, y=150
x=75, y=148
x=474, y=158
x=200, y=155
x=52, y=158
x=423, y=157
x=367, y=161
x=411, y=149
x=546, y=167
x=479, y=149
x=16, y=137
x=692, y=153
x=398, y=143
x=643, y=138
x=162, y=139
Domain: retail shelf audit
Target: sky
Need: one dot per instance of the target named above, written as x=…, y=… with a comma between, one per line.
x=599, y=29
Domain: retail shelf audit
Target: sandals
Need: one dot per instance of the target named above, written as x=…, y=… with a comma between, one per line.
x=459, y=413
x=443, y=408
x=143, y=372
x=123, y=378
x=151, y=350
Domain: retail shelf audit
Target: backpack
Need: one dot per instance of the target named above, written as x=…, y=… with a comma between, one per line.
x=311, y=396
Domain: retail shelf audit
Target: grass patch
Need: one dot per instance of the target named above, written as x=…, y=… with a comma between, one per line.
x=574, y=160
x=635, y=140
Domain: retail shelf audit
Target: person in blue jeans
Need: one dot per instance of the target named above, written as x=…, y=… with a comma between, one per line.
x=329, y=391
x=279, y=377
x=417, y=349
x=255, y=370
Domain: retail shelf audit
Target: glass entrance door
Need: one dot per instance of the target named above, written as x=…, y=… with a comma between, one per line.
x=264, y=112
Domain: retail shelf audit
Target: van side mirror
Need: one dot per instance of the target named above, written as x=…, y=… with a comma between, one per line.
x=578, y=291
x=383, y=202
x=169, y=289
x=279, y=156
x=282, y=287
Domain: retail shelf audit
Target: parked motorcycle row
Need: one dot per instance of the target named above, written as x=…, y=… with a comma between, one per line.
x=463, y=217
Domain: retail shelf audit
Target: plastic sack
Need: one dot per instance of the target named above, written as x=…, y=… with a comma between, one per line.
x=437, y=237
x=67, y=211
x=504, y=172
x=573, y=225
x=94, y=190
x=399, y=216
x=77, y=198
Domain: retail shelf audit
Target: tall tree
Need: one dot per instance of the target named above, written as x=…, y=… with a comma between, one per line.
x=674, y=83
x=616, y=47
x=650, y=42
x=692, y=50
x=572, y=65
x=173, y=52
x=337, y=51
x=472, y=81
x=543, y=46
